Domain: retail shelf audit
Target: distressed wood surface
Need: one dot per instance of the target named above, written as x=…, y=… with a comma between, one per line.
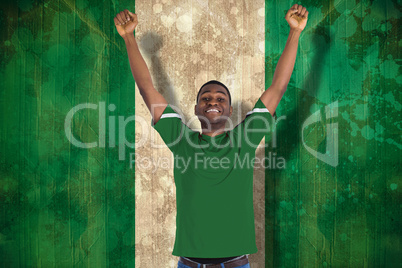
x=68, y=206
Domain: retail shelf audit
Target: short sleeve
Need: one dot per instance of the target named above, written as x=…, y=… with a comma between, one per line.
x=257, y=123
x=170, y=127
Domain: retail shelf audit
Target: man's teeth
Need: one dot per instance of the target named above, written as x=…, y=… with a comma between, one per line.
x=213, y=110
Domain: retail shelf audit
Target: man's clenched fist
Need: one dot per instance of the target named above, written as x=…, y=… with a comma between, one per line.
x=297, y=17
x=125, y=22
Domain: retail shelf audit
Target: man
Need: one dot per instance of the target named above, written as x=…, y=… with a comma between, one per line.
x=215, y=217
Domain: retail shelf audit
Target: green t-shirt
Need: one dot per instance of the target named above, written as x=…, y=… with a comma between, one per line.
x=214, y=184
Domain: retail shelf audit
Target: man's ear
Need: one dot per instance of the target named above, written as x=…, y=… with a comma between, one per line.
x=195, y=109
x=231, y=110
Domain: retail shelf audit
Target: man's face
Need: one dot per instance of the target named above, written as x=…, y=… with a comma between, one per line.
x=213, y=104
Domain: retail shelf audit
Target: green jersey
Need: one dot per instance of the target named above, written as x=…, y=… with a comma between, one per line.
x=214, y=184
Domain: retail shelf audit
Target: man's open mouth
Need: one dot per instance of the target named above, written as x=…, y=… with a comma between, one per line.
x=212, y=110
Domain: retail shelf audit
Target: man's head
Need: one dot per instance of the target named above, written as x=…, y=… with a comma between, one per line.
x=217, y=83
x=213, y=103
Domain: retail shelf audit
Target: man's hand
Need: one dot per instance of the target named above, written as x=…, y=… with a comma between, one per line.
x=125, y=22
x=297, y=17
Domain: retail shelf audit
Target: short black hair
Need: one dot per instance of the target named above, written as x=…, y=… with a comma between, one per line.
x=217, y=83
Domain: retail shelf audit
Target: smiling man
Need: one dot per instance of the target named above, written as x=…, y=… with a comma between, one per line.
x=213, y=107
x=214, y=191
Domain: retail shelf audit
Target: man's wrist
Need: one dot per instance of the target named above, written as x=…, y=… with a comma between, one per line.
x=295, y=30
x=128, y=36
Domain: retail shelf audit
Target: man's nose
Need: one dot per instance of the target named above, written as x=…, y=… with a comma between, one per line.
x=212, y=102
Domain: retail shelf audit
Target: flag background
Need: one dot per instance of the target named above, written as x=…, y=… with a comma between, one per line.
x=65, y=206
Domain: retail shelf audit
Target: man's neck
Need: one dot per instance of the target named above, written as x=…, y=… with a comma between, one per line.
x=213, y=133
x=214, y=130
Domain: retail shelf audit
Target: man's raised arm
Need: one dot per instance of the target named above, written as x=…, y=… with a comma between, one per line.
x=125, y=23
x=297, y=19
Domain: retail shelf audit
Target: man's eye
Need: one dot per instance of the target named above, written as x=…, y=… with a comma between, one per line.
x=220, y=99
x=205, y=99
